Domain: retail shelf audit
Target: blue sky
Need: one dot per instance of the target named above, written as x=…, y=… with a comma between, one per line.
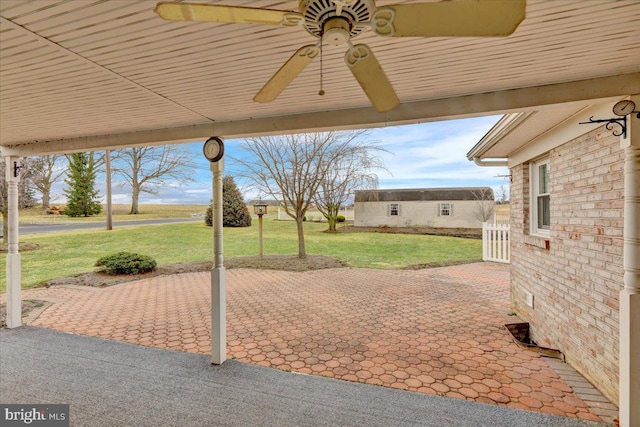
x=420, y=156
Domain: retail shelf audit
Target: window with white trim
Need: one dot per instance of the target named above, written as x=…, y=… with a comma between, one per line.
x=540, y=197
x=445, y=209
x=393, y=209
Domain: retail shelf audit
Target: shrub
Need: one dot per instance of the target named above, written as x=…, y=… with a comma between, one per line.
x=208, y=216
x=126, y=263
x=340, y=218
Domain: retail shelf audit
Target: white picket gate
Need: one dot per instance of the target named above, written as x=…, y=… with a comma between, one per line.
x=495, y=242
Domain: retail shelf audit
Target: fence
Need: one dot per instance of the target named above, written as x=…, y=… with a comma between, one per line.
x=495, y=242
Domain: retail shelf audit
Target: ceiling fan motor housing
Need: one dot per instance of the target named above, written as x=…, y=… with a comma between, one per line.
x=336, y=31
x=317, y=13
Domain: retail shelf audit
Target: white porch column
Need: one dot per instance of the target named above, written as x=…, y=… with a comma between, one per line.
x=218, y=279
x=630, y=295
x=14, y=276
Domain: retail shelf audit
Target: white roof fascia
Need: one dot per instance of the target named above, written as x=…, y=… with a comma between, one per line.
x=553, y=137
x=505, y=125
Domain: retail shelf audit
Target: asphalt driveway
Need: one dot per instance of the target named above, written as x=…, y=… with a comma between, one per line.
x=53, y=227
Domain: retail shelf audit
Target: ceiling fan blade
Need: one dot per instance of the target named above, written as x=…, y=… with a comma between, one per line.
x=175, y=11
x=366, y=69
x=458, y=18
x=289, y=71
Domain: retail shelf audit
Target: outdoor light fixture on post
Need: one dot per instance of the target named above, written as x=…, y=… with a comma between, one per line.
x=260, y=208
x=213, y=150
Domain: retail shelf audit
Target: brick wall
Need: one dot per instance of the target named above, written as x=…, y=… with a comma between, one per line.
x=577, y=275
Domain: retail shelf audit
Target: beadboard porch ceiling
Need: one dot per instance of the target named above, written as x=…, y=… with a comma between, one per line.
x=93, y=74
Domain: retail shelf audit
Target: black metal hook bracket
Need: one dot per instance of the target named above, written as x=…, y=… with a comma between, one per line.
x=621, y=120
x=16, y=169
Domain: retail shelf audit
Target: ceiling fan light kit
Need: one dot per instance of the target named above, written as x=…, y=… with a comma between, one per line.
x=336, y=22
x=336, y=31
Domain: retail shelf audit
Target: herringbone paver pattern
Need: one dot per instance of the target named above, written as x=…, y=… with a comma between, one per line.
x=435, y=331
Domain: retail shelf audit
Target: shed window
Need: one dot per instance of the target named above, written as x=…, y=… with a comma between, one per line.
x=540, y=197
x=446, y=209
x=393, y=209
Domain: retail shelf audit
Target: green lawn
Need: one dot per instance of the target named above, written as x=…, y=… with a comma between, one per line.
x=63, y=254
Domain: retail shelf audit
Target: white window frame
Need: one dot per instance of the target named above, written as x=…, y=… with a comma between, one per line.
x=445, y=207
x=536, y=196
x=393, y=207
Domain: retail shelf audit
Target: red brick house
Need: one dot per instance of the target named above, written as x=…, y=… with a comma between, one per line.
x=575, y=243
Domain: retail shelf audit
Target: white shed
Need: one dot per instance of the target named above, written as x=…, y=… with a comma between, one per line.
x=424, y=207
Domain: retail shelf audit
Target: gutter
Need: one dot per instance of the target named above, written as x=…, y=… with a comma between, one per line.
x=488, y=163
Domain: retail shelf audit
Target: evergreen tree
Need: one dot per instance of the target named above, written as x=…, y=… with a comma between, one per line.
x=234, y=210
x=81, y=193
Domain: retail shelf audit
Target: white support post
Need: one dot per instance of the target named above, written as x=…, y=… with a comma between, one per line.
x=107, y=157
x=630, y=294
x=14, y=273
x=218, y=279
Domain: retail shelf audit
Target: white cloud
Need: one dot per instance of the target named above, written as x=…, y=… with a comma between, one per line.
x=434, y=154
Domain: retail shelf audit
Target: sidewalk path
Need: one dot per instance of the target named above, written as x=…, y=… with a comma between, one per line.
x=434, y=331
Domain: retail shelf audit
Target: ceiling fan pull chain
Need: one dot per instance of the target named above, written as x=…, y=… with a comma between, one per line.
x=321, y=92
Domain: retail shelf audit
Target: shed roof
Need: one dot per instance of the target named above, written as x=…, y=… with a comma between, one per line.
x=424, y=194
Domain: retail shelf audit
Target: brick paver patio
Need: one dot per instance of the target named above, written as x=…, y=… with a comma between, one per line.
x=435, y=331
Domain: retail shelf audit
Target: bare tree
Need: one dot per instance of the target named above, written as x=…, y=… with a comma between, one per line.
x=45, y=170
x=503, y=195
x=483, y=210
x=146, y=168
x=25, y=193
x=352, y=162
x=290, y=168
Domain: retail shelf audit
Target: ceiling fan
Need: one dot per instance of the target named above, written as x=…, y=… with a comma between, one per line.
x=336, y=22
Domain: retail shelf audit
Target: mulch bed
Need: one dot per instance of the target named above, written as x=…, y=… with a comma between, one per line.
x=22, y=247
x=27, y=306
x=473, y=233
